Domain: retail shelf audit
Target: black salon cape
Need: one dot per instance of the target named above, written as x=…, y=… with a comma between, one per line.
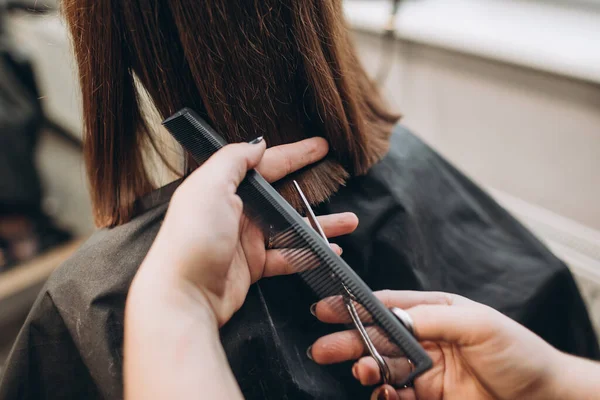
x=423, y=226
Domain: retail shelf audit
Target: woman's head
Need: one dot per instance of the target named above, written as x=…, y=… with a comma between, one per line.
x=283, y=69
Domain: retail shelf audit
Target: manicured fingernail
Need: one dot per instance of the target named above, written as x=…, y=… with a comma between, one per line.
x=313, y=309
x=257, y=140
x=355, y=371
x=383, y=394
x=309, y=353
x=336, y=248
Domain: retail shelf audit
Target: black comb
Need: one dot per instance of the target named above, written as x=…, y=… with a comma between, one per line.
x=324, y=271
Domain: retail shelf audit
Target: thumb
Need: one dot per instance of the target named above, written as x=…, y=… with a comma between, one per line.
x=230, y=164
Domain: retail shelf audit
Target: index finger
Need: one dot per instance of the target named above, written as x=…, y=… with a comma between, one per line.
x=279, y=161
x=328, y=310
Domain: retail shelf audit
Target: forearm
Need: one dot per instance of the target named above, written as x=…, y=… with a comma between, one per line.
x=576, y=378
x=172, y=347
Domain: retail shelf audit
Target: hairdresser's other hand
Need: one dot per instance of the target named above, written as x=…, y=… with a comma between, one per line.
x=207, y=248
x=478, y=353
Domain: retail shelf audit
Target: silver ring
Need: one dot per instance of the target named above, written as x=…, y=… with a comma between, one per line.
x=405, y=318
x=407, y=321
x=412, y=369
x=412, y=366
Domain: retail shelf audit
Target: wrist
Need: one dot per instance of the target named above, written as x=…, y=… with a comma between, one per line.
x=171, y=331
x=552, y=384
x=160, y=286
x=574, y=378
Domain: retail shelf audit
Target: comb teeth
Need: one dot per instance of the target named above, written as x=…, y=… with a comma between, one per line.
x=308, y=254
x=202, y=145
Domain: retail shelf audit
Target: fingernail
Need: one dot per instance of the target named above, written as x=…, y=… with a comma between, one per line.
x=257, y=140
x=309, y=353
x=313, y=309
x=337, y=248
x=355, y=371
x=383, y=394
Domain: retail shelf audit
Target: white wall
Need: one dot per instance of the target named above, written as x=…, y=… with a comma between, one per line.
x=533, y=135
x=532, y=139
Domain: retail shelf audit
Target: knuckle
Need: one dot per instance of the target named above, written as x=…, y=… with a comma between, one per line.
x=311, y=146
x=357, y=349
x=237, y=204
x=283, y=160
x=242, y=167
x=220, y=186
x=386, y=297
x=229, y=149
x=443, y=298
x=288, y=165
x=317, y=145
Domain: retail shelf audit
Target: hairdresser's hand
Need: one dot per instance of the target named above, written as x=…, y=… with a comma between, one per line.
x=478, y=353
x=207, y=248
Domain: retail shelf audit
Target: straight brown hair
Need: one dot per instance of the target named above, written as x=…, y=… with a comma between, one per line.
x=283, y=69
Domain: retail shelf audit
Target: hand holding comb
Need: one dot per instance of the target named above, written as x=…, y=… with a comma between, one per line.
x=311, y=256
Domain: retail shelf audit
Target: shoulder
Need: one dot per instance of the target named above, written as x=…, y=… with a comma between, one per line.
x=405, y=145
x=77, y=321
x=409, y=160
x=106, y=263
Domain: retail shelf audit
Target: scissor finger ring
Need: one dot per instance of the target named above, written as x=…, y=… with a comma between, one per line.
x=405, y=318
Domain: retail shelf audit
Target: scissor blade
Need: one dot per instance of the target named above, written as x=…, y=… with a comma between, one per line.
x=310, y=214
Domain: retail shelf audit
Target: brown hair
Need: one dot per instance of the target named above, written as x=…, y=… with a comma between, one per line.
x=284, y=69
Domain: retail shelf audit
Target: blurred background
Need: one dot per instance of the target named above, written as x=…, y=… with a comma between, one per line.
x=507, y=90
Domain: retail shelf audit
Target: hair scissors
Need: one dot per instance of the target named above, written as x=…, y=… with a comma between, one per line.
x=350, y=299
